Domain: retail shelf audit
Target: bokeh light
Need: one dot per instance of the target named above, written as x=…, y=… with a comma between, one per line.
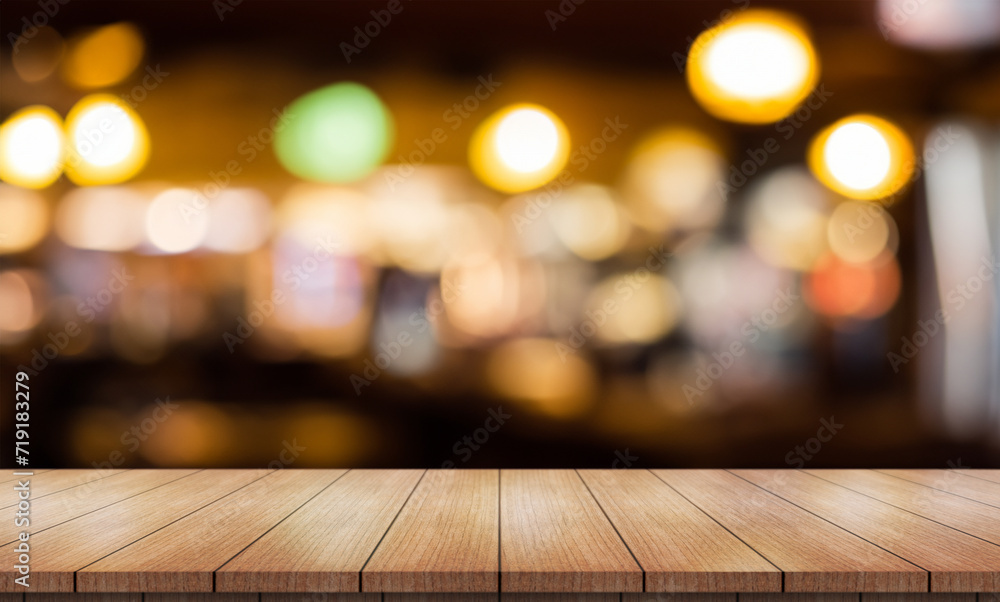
x=32, y=147
x=786, y=218
x=20, y=306
x=177, y=220
x=239, y=220
x=863, y=157
x=37, y=60
x=104, y=56
x=839, y=289
x=638, y=307
x=108, y=143
x=519, y=148
x=535, y=373
x=24, y=218
x=339, y=133
x=755, y=67
x=101, y=218
x=589, y=221
x=311, y=213
x=859, y=232
x=671, y=180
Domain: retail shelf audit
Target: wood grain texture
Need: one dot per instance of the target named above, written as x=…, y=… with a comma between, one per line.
x=506, y=597
x=54, y=597
x=199, y=597
x=53, y=481
x=61, y=550
x=321, y=597
x=981, y=473
x=924, y=598
x=556, y=538
x=957, y=562
x=812, y=597
x=975, y=518
x=439, y=597
x=182, y=556
x=680, y=548
x=953, y=482
x=10, y=478
x=815, y=555
x=445, y=538
x=323, y=545
x=66, y=505
x=673, y=597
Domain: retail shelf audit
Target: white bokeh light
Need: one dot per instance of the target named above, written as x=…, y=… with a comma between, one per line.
x=858, y=156
x=757, y=61
x=527, y=140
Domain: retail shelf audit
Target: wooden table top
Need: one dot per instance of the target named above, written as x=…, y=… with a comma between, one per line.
x=517, y=531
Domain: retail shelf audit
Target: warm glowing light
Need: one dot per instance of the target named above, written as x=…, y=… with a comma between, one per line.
x=177, y=220
x=850, y=290
x=755, y=67
x=108, y=142
x=519, y=148
x=103, y=57
x=339, y=133
x=24, y=218
x=860, y=232
x=239, y=220
x=534, y=372
x=31, y=147
x=589, y=222
x=35, y=58
x=410, y=221
x=862, y=157
x=18, y=302
x=337, y=217
x=786, y=219
x=101, y=218
x=672, y=180
x=640, y=307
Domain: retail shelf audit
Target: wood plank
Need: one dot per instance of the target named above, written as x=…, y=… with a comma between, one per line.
x=988, y=474
x=199, y=597
x=679, y=597
x=812, y=597
x=10, y=478
x=814, y=555
x=445, y=538
x=182, y=556
x=680, y=548
x=323, y=545
x=58, y=552
x=53, y=481
x=953, y=482
x=438, y=597
x=975, y=518
x=321, y=597
x=555, y=537
x=560, y=597
x=54, y=597
x=66, y=505
x=924, y=598
x=957, y=562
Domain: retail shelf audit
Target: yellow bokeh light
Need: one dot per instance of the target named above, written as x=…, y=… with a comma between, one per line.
x=589, y=221
x=636, y=307
x=32, y=147
x=519, y=148
x=104, y=56
x=755, y=67
x=108, y=142
x=24, y=218
x=863, y=157
x=37, y=60
x=860, y=232
x=786, y=219
x=536, y=373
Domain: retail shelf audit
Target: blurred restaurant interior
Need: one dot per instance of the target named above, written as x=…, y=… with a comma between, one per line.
x=561, y=233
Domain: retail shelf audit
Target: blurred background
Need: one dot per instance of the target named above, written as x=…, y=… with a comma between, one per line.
x=513, y=234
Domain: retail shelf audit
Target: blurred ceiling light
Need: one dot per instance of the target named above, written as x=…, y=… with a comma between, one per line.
x=863, y=157
x=24, y=218
x=239, y=220
x=411, y=224
x=311, y=213
x=671, y=180
x=786, y=218
x=939, y=24
x=839, y=289
x=108, y=143
x=518, y=148
x=533, y=371
x=860, y=232
x=37, y=60
x=636, y=307
x=339, y=133
x=32, y=147
x=174, y=221
x=104, y=56
x=19, y=307
x=103, y=218
x=589, y=222
x=755, y=67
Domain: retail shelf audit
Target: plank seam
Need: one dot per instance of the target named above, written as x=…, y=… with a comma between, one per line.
x=972, y=476
x=624, y=543
x=937, y=488
x=123, y=471
x=499, y=534
x=107, y=506
x=844, y=529
x=387, y=529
